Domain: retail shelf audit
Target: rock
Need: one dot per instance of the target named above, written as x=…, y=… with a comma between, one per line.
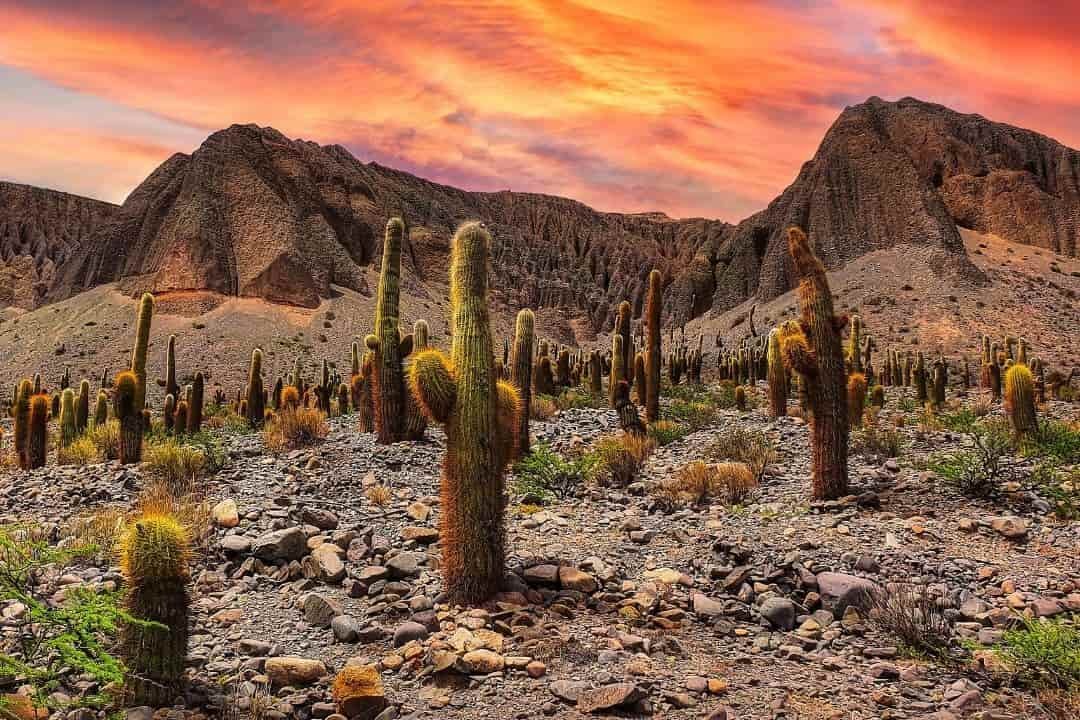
x=780, y=612
x=320, y=518
x=1010, y=526
x=536, y=669
x=483, y=662
x=346, y=629
x=359, y=693
x=418, y=511
x=421, y=535
x=328, y=561
x=839, y=590
x=403, y=565
x=286, y=544
x=409, y=631
x=236, y=544
x=320, y=610
x=542, y=575
x=571, y=578
x=567, y=690
x=225, y=514
x=608, y=697
x=292, y=670
x=706, y=606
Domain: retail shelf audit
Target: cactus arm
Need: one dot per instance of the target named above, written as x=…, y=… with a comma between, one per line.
x=433, y=385
x=405, y=347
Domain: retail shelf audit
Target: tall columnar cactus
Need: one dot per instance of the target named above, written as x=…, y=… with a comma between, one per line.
x=622, y=327
x=138, y=353
x=67, y=417
x=388, y=385
x=543, y=378
x=366, y=404
x=639, y=379
x=37, y=440
x=180, y=417
x=171, y=388
x=596, y=373
x=416, y=423
x=856, y=398
x=854, y=353
x=256, y=406
x=21, y=412
x=941, y=381
x=195, y=405
x=653, y=304
x=521, y=361
x=130, y=417
x=154, y=555
x=776, y=377
x=355, y=357
x=618, y=369
x=812, y=347
x=481, y=418
x=1020, y=399
x=82, y=407
x=101, y=409
x=920, y=375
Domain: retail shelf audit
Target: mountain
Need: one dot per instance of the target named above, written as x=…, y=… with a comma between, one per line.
x=252, y=213
x=40, y=231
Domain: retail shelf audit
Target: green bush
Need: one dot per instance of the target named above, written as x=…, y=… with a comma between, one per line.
x=694, y=414
x=1044, y=653
x=963, y=420
x=577, y=398
x=876, y=442
x=977, y=472
x=1060, y=486
x=752, y=447
x=665, y=432
x=177, y=465
x=544, y=474
x=1057, y=440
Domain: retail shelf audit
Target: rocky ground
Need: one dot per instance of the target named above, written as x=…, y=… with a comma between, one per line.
x=614, y=605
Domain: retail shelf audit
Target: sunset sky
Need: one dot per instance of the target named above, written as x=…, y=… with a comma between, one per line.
x=692, y=108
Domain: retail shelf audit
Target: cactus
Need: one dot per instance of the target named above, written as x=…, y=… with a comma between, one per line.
x=481, y=418
x=639, y=379
x=941, y=381
x=171, y=388
x=388, y=382
x=366, y=408
x=776, y=377
x=740, y=398
x=343, y=399
x=290, y=398
x=920, y=377
x=812, y=347
x=543, y=379
x=1020, y=399
x=618, y=369
x=195, y=405
x=854, y=353
x=180, y=418
x=877, y=396
x=355, y=358
x=169, y=413
x=255, y=407
x=521, y=362
x=82, y=407
x=154, y=554
x=653, y=303
x=101, y=409
x=55, y=412
x=856, y=398
x=126, y=411
x=596, y=373
x=562, y=368
x=138, y=353
x=37, y=440
x=622, y=327
x=416, y=423
x=21, y=411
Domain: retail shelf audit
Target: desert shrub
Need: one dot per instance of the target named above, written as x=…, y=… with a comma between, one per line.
x=1060, y=486
x=916, y=618
x=906, y=404
x=542, y=407
x=979, y=471
x=688, y=392
x=982, y=406
x=962, y=420
x=544, y=473
x=97, y=532
x=753, y=448
x=928, y=420
x=1044, y=652
x=617, y=459
x=106, y=438
x=191, y=509
x=294, y=428
x=665, y=432
x=176, y=465
x=694, y=414
x=1057, y=440
x=698, y=482
x=577, y=398
x=82, y=451
x=379, y=495
x=877, y=443
x=212, y=447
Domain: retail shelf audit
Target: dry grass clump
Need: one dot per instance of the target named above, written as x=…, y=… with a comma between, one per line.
x=542, y=408
x=750, y=447
x=176, y=465
x=379, y=495
x=106, y=439
x=295, y=427
x=619, y=458
x=915, y=617
x=698, y=483
x=190, y=509
x=82, y=451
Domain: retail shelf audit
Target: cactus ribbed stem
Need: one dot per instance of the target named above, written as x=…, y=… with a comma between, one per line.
x=618, y=369
x=1020, y=399
x=127, y=412
x=21, y=412
x=622, y=328
x=82, y=407
x=142, y=342
x=521, y=362
x=653, y=303
x=37, y=441
x=388, y=385
x=776, y=377
x=256, y=404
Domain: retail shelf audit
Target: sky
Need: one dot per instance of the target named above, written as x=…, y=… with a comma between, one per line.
x=696, y=109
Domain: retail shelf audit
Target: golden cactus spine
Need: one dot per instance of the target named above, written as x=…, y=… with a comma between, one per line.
x=1020, y=399
x=171, y=388
x=812, y=346
x=854, y=352
x=618, y=369
x=480, y=416
x=521, y=362
x=416, y=423
x=639, y=379
x=776, y=376
x=154, y=556
x=82, y=407
x=388, y=383
x=67, y=417
x=37, y=441
x=856, y=398
x=653, y=304
x=101, y=409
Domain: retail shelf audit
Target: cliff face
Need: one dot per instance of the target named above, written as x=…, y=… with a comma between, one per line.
x=40, y=230
x=252, y=213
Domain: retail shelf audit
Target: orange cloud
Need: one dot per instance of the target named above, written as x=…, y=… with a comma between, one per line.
x=694, y=108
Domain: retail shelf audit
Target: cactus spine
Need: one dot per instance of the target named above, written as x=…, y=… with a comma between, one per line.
x=622, y=328
x=854, y=352
x=365, y=402
x=639, y=379
x=195, y=406
x=416, y=423
x=653, y=303
x=169, y=413
x=171, y=388
x=82, y=407
x=812, y=347
x=481, y=419
x=1020, y=399
x=776, y=377
x=101, y=409
x=154, y=562
x=521, y=362
x=856, y=398
x=388, y=386
x=126, y=411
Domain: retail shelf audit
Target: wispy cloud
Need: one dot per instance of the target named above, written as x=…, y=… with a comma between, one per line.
x=694, y=108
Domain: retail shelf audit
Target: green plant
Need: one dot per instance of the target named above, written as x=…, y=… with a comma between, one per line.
x=80, y=452
x=1055, y=439
x=295, y=427
x=544, y=473
x=963, y=420
x=812, y=347
x=750, y=447
x=876, y=442
x=52, y=641
x=1044, y=652
x=665, y=432
x=543, y=407
x=1060, y=486
x=576, y=398
x=617, y=459
x=129, y=446
x=480, y=415
x=977, y=472
x=256, y=403
x=695, y=415
x=177, y=465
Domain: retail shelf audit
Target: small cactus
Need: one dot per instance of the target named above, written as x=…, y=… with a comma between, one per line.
x=101, y=409
x=154, y=554
x=416, y=423
x=21, y=411
x=169, y=413
x=622, y=328
x=856, y=398
x=171, y=388
x=180, y=419
x=854, y=353
x=126, y=411
x=639, y=379
x=877, y=396
x=740, y=398
x=256, y=406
